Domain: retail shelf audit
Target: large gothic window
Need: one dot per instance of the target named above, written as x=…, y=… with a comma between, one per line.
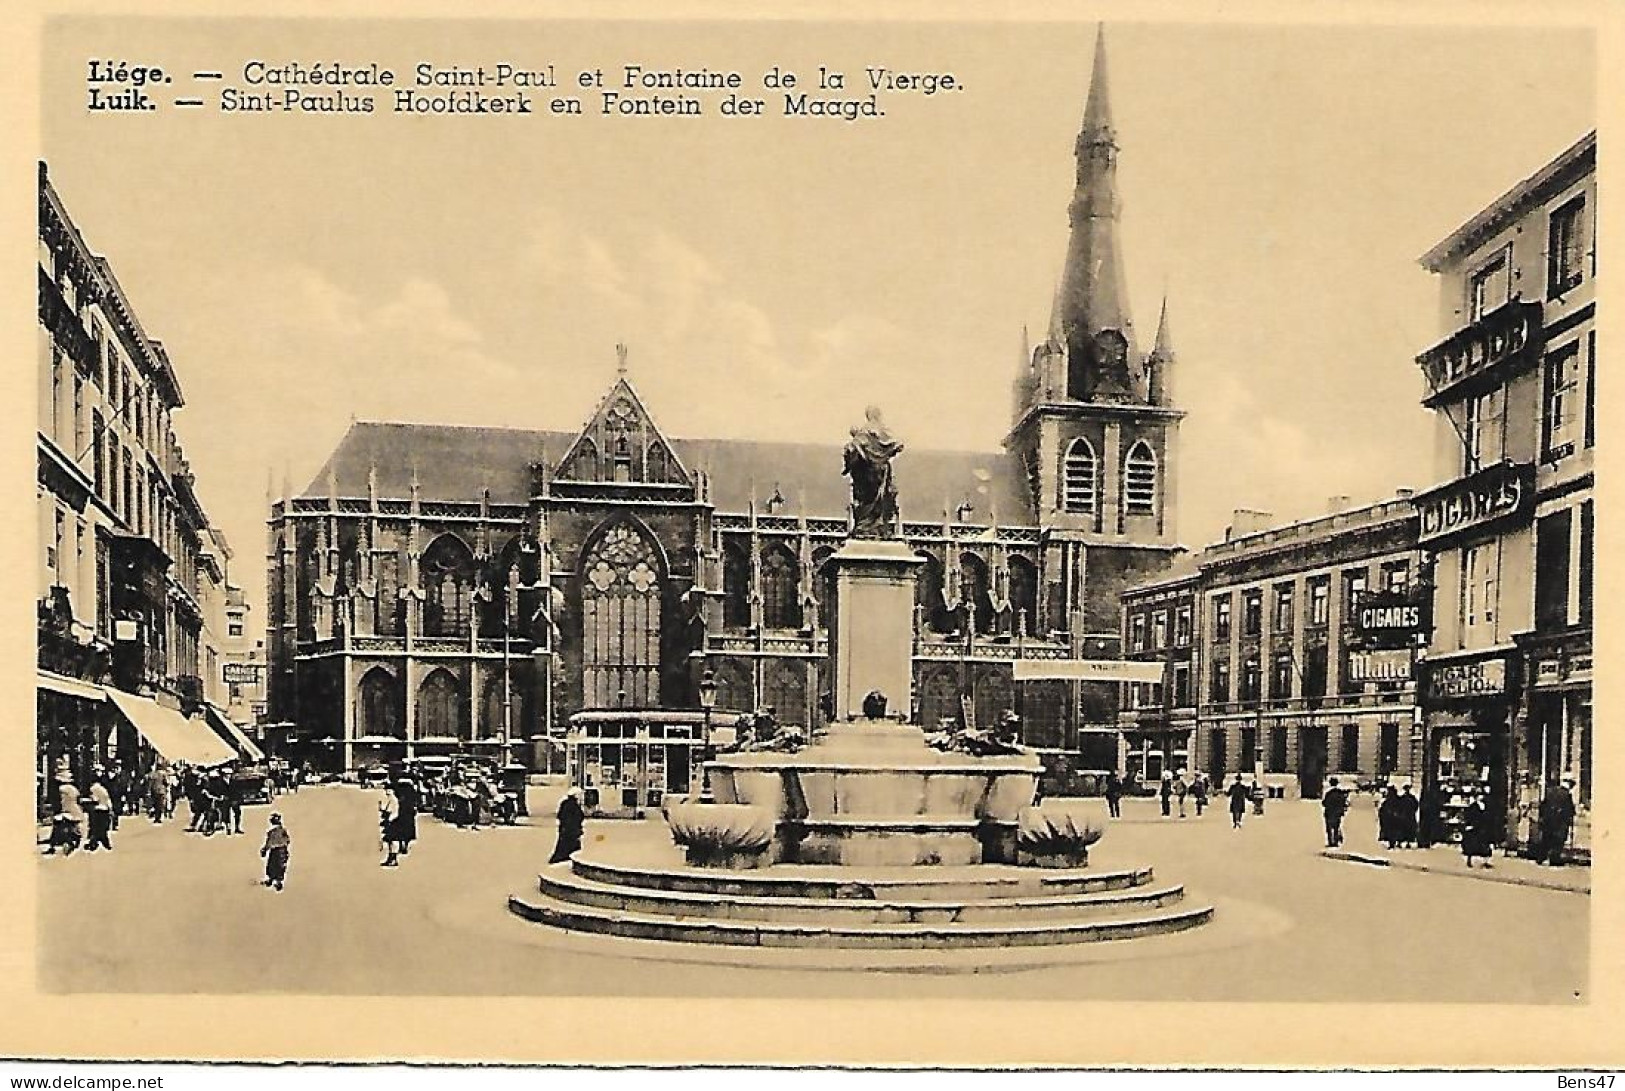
x=784, y=689
x=380, y=706
x=438, y=707
x=735, y=692
x=1024, y=593
x=620, y=623
x=655, y=466
x=1080, y=476
x=735, y=586
x=447, y=577
x=584, y=466
x=823, y=582
x=994, y=697
x=1140, y=480
x=781, y=578
x=939, y=698
x=974, y=590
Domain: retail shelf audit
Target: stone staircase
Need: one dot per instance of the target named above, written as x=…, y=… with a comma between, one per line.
x=788, y=906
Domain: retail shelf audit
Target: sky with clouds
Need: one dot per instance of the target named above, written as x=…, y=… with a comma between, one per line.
x=774, y=275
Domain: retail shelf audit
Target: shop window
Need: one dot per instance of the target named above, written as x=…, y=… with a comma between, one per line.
x=1552, y=570
x=1348, y=749
x=1565, y=248
x=1561, y=420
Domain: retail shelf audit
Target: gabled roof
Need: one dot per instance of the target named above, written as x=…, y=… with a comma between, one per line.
x=456, y=462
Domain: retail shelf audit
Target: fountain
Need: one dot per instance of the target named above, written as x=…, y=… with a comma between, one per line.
x=870, y=837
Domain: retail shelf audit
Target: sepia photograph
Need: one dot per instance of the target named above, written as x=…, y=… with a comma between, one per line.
x=818, y=508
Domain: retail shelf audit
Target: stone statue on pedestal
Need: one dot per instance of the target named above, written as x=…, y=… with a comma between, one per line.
x=868, y=458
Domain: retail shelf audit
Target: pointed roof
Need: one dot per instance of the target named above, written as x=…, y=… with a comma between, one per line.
x=1094, y=292
x=1163, y=347
x=621, y=411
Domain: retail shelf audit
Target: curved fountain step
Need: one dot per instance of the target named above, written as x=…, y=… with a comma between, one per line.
x=908, y=884
x=563, y=886
x=543, y=909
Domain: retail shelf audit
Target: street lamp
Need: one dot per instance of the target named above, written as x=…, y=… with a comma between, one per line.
x=708, y=701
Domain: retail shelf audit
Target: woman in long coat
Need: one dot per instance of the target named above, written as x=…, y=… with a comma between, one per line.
x=1388, y=818
x=1475, y=832
x=572, y=820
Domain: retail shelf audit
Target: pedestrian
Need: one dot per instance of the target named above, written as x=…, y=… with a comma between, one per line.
x=101, y=813
x=1181, y=790
x=1334, y=804
x=572, y=821
x=157, y=792
x=1238, y=802
x=1199, y=792
x=276, y=850
x=67, y=825
x=1389, y=820
x=1408, y=809
x=114, y=782
x=1556, y=822
x=1166, y=793
x=1114, y=795
x=172, y=785
x=233, y=801
x=389, y=813
x=407, y=798
x=1257, y=793
x=1475, y=831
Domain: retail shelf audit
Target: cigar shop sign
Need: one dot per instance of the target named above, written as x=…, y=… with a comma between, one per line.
x=1501, y=491
x=1476, y=678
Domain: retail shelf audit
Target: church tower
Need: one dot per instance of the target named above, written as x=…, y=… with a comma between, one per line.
x=1095, y=423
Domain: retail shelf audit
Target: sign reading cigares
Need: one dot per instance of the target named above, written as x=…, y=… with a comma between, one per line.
x=1504, y=490
x=1392, y=619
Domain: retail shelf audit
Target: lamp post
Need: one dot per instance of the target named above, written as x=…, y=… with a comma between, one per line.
x=708, y=701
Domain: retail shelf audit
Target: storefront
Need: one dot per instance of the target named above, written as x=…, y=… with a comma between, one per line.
x=1558, y=735
x=1469, y=708
x=73, y=733
x=1152, y=750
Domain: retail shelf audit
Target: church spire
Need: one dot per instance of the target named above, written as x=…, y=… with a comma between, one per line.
x=1094, y=293
x=1163, y=347
x=1160, y=363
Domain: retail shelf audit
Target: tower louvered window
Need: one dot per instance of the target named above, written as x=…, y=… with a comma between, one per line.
x=1140, y=481
x=1079, y=491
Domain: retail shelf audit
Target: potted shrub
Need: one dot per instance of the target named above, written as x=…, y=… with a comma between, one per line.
x=1055, y=838
x=721, y=835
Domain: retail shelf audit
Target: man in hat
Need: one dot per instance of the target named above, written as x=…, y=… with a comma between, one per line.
x=276, y=850
x=101, y=813
x=1334, y=804
x=1556, y=821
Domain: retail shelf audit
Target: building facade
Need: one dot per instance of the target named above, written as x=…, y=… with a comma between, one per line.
x=126, y=570
x=1507, y=685
x=442, y=588
x=1289, y=651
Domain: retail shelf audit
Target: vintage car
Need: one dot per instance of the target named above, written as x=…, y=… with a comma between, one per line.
x=251, y=784
x=374, y=776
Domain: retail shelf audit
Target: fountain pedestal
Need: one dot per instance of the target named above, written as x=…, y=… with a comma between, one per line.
x=872, y=629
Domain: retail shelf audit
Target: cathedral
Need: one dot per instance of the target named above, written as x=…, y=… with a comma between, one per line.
x=439, y=589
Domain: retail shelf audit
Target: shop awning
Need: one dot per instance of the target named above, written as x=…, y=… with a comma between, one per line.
x=1088, y=670
x=73, y=687
x=234, y=735
x=170, y=733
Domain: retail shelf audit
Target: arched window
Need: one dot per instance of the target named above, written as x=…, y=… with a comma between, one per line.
x=784, y=689
x=939, y=699
x=1080, y=491
x=438, y=711
x=823, y=582
x=584, y=466
x=1024, y=593
x=621, y=578
x=934, y=614
x=781, y=578
x=974, y=590
x=1140, y=480
x=380, y=706
x=654, y=463
x=993, y=697
x=734, y=689
x=735, y=585
x=446, y=574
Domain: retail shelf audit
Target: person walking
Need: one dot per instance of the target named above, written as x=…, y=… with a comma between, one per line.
x=407, y=798
x=277, y=847
x=1257, y=793
x=1556, y=822
x=1114, y=795
x=1475, y=832
x=101, y=813
x=1238, y=802
x=233, y=801
x=1199, y=792
x=1389, y=821
x=389, y=814
x=158, y=793
x=1408, y=809
x=68, y=824
x=115, y=785
x=1181, y=790
x=1165, y=792
x=572, y=822
x=1334, y=804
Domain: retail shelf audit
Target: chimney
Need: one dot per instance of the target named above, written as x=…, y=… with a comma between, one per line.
x=1245, y=521
x=1335, y=504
